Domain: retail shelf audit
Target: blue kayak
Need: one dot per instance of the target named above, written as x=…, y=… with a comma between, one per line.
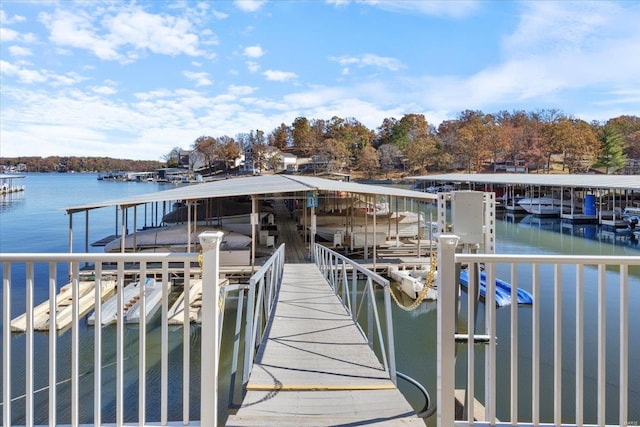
x=503, y=290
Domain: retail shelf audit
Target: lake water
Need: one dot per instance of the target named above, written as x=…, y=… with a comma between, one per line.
x=34, y=221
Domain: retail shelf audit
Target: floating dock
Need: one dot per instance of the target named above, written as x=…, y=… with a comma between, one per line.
x=63, y=306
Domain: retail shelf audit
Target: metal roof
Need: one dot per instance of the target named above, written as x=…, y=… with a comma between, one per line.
x=624, y=182
x=255, y=185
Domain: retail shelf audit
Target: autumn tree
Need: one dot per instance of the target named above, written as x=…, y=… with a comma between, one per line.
x=390, y=155
x=471, y=139
x=302, y=136
x=279, y=137
x=578, y=143
x=369, y=162
x=228, y=150
x=206, y=148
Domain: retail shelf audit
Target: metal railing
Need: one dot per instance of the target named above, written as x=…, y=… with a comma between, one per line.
x=81, y=373
x=263, y=290
x=358, y=296
x=528, y=356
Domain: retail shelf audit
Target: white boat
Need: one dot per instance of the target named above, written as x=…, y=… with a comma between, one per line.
x=131, y=301
x=545, y=205
x=412, y=281
x=400, y=224
x=174, y=238
x=631, y=214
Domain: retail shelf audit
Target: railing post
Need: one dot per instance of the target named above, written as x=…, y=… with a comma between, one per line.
x=447, y=295
x=210, y=242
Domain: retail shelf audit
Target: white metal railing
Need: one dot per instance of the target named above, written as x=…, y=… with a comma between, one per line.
x=81, y=347
x=604, y=279
x=263, y=289
x=357, y=296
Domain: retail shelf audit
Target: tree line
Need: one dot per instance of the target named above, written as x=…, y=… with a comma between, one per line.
x=473, y=142
x=79, y=164
x=470, y=142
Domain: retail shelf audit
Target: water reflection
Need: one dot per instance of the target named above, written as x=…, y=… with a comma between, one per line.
x=624, y=237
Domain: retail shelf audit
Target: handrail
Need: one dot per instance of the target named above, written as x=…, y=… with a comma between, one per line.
x=266, y=282
x=333, y=266
x=552, y=279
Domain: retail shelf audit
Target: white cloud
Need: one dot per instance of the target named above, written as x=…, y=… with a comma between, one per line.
x=253, y=51
x=104, y=90
x=19, y=51
x=240, y=90
x=279, y=76
x=253, y=66
x=201, y=79
x=24, y=75
x=369, y=60
x=6, y=20
x=219, y=15
x=452, y=9
x=130, y=28
x=249, y=5
x=8, y=35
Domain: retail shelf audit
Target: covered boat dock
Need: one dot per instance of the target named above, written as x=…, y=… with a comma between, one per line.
x=588, y=198
x=289, y=196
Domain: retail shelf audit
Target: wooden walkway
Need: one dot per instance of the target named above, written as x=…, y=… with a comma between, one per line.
x=295, y=250
x=314, y=368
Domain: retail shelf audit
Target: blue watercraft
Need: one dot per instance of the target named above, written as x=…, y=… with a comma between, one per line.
x=503, y=290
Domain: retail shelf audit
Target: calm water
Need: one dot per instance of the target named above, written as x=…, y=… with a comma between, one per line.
x=36, y=222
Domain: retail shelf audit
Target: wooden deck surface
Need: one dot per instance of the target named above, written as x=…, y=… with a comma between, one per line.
x=314, y=368
x=295, y=250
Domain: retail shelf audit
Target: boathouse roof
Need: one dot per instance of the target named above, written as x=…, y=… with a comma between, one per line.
x=256, y=185
x=619, y=182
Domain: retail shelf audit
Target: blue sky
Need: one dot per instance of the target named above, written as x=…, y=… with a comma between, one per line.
x=135, y=79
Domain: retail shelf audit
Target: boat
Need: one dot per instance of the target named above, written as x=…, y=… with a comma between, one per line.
x=174, y=238
x=397, y=224
x=631, y=214
x=503, y=289
x=412, y=281
x=131, y=303
x=545, y=205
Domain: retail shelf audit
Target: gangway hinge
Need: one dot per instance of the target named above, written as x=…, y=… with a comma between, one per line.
x=477, y=339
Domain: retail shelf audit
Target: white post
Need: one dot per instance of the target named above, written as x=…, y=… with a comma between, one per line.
x=447, y=299
x=210, y=242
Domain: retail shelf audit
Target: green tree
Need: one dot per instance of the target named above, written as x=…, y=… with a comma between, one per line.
x=612, y=155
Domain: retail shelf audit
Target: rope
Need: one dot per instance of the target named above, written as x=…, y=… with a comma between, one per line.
x=428, y=284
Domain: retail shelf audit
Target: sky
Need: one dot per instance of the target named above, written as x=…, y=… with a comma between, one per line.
x=133, y=80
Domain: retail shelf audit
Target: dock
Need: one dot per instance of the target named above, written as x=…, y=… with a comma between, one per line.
x=314, y=368
x=63, y=301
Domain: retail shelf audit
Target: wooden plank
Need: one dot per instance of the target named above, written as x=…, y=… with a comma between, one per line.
x=296, y=251
x=176, y=312
x=64, y=313
x=41, y=311
x=314, y=367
